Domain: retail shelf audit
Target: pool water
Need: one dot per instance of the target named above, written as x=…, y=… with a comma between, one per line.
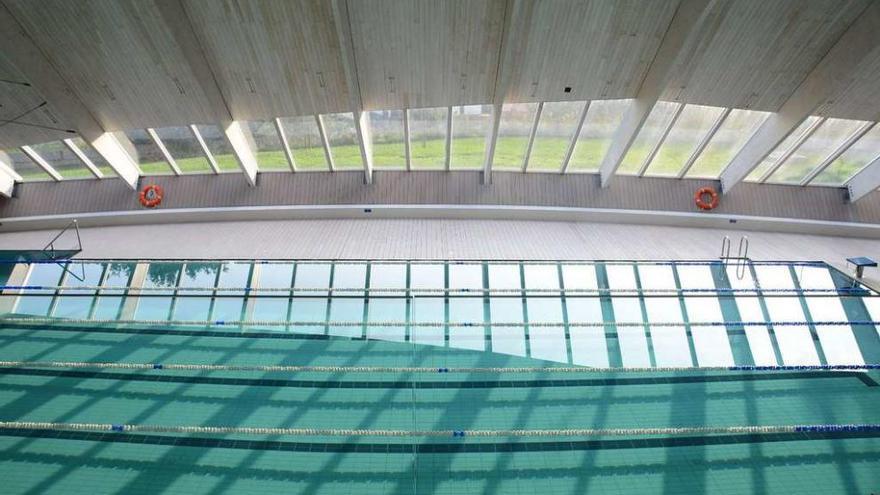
x=438, y=317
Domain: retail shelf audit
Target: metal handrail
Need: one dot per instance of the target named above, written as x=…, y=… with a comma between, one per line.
x=52, y=254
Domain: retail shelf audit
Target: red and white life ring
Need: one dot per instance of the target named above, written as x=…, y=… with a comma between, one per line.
x=151, y=196
x=700, y=198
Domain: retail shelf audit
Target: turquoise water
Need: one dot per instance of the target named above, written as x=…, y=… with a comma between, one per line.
x=68, y=462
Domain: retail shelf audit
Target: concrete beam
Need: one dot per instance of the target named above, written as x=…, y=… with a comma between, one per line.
x=491, y=141
x=692, y=19
x=43, y=164
x=243, y=149
x=7, y=183
x=830, y=75
x=349, y=65
x=46, y=80
x=864, y=182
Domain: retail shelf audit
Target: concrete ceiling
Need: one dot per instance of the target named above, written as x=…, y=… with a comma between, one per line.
x=131, y=67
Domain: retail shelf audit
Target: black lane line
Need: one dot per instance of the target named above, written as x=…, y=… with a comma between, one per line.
x=434, y=448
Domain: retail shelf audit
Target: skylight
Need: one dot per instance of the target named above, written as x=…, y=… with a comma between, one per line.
x=185, y=149
x=219, y=147
x=689, y=129
x=826, y=140
x=427, y=131
x=269, y=150
x=94, y=157
x=733, y=134
x=344, y=144
x=645, y=145
x=389, y=149
x=784, y=149
x=848, y=164
x=22, y=165
x=470, y=125
x=603, y=118
x=145, y=152
x=63, y=160
x=304, y=141
x=516, y=124
x=556, y=130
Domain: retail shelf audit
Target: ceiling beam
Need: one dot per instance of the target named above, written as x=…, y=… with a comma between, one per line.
x=7, y=184
x=285, y=145
x=864, y=182
x=691, y=19
x=162, y=149
x=574, y=138
x=514, y=35
x=32, y=61
x=349, y=65
x=181, y=28
x=821, y=85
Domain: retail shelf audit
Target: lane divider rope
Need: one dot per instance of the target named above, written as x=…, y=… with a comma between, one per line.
x=422, y=369
x=428, y=324
x=344, y=432
x=394, y=290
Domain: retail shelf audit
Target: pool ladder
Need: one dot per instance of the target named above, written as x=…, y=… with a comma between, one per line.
x=742, y=255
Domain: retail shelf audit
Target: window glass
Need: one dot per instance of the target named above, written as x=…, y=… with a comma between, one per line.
x=63, y=160
x=185, y=149
x=687, y=132
x=733, y=134
x=94, y=156
x=861, y=153
x=555, y=131
x=305, y=143
x=145, y=152
x=470, y=126
x=780, y=150
x=603, y=118
x=386, y=130
x=344, y=145
x=270, y=152
x=826, y=140
x=427, y=137
x=659, y=118
x=219, y=147
x=513, y=135
x=24, y=166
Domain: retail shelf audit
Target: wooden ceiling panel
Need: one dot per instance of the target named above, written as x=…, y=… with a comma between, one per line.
x=760, y=52
x=119, y=57
x=272, y=58
x=860, y=96
x=426, y=53
x=599, y=49
x=16, y=100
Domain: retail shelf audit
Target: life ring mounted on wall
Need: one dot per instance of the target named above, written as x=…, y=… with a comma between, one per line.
x=700, y=198
x=151, y=196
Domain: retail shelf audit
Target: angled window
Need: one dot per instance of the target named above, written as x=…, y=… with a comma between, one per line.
x=185, y=149
x=782, y=149
x=344, y=143
x=603, y=118
x=219, y=146
x=556, y=129
x=685, y=135
x=652, y=131
x=470, y=125
x=305, y=143
x=822, y=143
x=267, y=145
x=860, y=154
x=733, y=134
x=63, y=160
x=427, y=137
x=145, y=152
x=513, y=135
x=94, y=156
x=386, y=129
x=22, y=165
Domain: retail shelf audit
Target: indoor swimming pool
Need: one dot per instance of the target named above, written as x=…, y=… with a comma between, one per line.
x=438, y=377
